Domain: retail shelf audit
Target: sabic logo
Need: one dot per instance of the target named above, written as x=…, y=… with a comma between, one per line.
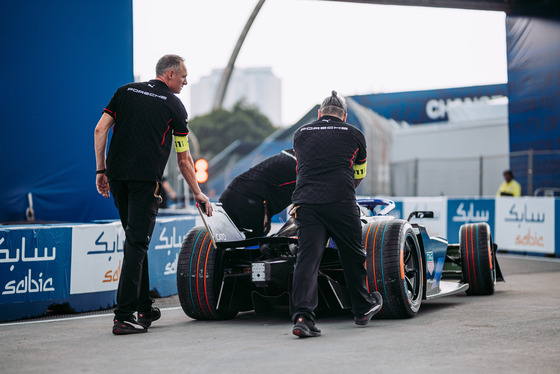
x=529, y=240
x=113, y=275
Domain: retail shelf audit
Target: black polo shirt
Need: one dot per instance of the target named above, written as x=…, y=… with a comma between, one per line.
x=272, y=180
x=326, y=151
x=147, y=115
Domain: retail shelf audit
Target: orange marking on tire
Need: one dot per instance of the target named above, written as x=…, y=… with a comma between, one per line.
x=466, y=233
x=472, y=253
x=373, y=256
x=367, y=237
x=197, y=266
x=401, y=256
x=490, y=252
x=205, y=265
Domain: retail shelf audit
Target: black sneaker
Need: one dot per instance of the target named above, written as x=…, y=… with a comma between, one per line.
x=364, y=319
x=128, y=326
x=146, y=319
x=305, y=327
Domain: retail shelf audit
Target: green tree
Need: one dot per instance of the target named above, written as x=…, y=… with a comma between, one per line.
x=219, y=128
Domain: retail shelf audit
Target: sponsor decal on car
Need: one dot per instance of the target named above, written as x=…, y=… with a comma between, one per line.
x=430, y=261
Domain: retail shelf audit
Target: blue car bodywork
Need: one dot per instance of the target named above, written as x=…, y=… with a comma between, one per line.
x=221, y=272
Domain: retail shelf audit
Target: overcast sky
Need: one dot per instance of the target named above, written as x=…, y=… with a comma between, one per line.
x=315, y=46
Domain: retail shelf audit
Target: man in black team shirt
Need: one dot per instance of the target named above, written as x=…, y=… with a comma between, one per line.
x=264, y=190
x=144, y=116
x=331, y=163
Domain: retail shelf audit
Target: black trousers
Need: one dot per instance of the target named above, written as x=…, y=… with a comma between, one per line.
x=138, y=209
x=316, y=224
x=246, y=212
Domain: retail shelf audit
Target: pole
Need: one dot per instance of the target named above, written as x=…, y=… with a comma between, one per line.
x=415, y=188
x=224, y=81
x=480, y=176
x=530, y=172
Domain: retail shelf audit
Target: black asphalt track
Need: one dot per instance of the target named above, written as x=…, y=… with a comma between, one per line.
x=517, y=330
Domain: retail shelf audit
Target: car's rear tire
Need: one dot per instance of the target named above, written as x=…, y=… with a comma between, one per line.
x=477, y=260
x=199, y=277
x=394, y=267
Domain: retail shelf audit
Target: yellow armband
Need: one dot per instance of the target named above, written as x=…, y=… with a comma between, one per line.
x=360, y=170
x=181, y=143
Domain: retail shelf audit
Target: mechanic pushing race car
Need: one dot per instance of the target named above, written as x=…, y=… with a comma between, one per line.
x=221, y=271
x=255, y=196
x=331, y=162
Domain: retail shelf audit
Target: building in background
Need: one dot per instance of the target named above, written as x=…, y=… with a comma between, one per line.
x=257, y=86
x=451, y=142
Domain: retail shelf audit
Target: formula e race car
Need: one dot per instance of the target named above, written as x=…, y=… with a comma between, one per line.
x=221, y=273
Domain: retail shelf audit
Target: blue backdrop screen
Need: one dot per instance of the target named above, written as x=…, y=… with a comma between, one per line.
x=63, y=60
x=533, y=46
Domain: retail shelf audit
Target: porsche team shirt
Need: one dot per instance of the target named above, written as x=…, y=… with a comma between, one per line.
x=272, y=180
x=147, y=115
x=326, y=150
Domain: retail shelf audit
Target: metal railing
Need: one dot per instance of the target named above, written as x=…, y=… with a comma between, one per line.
x=538, y=172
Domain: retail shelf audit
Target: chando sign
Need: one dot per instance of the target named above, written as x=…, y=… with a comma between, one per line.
x=436, y=109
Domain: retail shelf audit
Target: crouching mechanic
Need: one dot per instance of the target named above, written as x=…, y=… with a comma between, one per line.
x=144, y=116
x=331, y=163
x=264, y=190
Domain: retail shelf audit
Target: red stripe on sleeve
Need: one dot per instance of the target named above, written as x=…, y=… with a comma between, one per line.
x=163, y=140
x=353, y=156
x=112, y=114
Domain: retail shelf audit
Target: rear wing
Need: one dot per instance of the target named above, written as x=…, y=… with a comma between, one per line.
x=220, y=226
x=225, y=234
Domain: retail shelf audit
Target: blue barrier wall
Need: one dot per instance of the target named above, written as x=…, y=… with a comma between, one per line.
x=42, y=265
x=461, y=211
x=79, y=265
x=525, y=225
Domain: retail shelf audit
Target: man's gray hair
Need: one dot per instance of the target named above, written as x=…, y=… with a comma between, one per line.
x=334, y=105
x=168, y=62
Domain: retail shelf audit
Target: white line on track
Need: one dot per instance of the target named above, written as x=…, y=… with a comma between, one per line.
x=530, y=258
x=70, y=318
